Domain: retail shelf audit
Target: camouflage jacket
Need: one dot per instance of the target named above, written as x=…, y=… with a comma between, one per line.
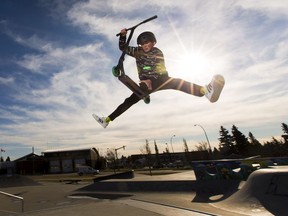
x=149, y=64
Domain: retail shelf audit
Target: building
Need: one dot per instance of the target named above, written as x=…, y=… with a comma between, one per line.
x=30, y=164
x=65, y=161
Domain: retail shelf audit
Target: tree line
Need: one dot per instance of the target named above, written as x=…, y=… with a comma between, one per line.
x=236, y=143
x=232, y=145
x=7, y=159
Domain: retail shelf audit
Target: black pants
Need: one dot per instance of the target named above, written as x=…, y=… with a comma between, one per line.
x=161, y=83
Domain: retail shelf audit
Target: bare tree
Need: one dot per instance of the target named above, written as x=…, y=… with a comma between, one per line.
x=146, y=150
x=111, y=157
x=202, y=146
x=186, y=149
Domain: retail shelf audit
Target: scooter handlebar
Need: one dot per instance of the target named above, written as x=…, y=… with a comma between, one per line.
x=147, y=20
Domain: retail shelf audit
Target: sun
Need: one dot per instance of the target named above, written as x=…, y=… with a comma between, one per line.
x=194, y=61
x=193, y=64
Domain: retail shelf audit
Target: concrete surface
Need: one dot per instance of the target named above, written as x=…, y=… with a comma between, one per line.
x=264, y=193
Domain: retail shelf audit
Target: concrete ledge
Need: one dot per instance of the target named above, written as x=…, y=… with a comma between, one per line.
x=122, y=175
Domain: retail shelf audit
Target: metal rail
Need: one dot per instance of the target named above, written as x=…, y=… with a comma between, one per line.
x=16, y=197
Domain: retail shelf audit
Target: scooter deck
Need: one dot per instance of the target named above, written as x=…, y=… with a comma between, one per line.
x=127, y=81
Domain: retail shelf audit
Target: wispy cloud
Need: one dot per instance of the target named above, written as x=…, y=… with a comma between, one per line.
x=6, y=81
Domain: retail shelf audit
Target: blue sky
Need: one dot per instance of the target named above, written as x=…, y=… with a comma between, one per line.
x=55, y=71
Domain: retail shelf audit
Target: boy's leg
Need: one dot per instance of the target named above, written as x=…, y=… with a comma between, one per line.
x=181, y=85
x=124, y=106
x=212, y=91
x=130, y=101
x=104, y=121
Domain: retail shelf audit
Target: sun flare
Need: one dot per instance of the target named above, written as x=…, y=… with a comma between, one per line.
x=194, y=64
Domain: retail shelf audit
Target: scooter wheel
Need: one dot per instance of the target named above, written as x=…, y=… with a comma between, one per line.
x=147, y=99
x=115, y=71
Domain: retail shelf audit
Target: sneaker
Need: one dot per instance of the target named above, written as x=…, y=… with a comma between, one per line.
x=209, y=91
x=101, y=121
x=214, y=88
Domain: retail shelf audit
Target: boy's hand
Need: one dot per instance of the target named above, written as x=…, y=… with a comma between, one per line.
x=123, y=32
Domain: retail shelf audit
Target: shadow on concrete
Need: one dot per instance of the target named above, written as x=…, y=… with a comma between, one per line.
x=215, y=190
x=16, y=181
x=142, y=186
x=121, y=175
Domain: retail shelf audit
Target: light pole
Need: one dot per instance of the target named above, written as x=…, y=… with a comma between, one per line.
x=171, y=143
x=206, y=137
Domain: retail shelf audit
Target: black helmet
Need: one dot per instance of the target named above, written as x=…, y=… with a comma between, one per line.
x=145, y=37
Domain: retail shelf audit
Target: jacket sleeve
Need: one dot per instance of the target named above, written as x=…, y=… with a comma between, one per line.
x=122, y=42
x=129, y=50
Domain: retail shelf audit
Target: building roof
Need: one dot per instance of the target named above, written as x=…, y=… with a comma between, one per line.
x=25, y=157
x=68, y=149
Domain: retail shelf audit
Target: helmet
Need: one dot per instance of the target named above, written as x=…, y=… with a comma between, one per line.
x=145, y=37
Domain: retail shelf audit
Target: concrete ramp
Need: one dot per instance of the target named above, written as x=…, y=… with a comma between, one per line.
x=264, y=193
x=16, y=181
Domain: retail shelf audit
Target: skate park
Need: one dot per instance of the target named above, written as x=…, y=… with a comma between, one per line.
x=264, y=192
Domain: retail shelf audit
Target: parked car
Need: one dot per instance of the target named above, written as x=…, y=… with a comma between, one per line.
x=86, y=170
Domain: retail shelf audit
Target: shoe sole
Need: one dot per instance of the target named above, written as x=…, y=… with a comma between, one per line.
x=98, y=120
x=95, y=117
x=218, y=83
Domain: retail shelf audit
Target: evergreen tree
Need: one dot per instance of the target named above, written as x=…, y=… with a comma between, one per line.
x=253, y=140
x=240, y=140
x=216, y=153
x=255, y=147
x=285, y=135
x=226, y=145
x=274, y=148
x=285, y=128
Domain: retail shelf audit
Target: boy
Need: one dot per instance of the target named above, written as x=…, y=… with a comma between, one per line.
x=152, y=74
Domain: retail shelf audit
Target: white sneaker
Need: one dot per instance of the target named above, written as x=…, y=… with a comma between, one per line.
x=209, y=91
x=101, y=121
x=214, y=88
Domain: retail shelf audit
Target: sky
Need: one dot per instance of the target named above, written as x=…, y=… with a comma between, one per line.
x=55, y=71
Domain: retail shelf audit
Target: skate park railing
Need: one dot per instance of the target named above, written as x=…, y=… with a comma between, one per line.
x=15, y=197
x=233, y=168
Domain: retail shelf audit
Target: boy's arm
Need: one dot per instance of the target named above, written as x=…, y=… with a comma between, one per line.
x=123, y=46
x=122, y=40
